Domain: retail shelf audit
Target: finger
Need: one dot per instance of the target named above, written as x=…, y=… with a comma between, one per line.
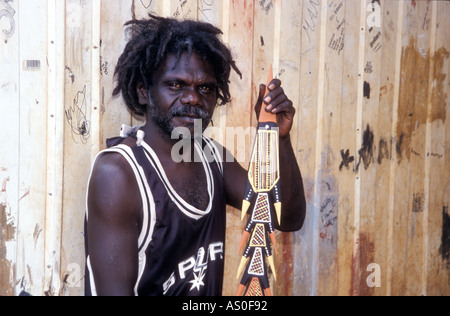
x=285, y=106
x=274, y=84
x=274, y=97
x=281, y=98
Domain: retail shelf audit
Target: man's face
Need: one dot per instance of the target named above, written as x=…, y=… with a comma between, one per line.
x=182, y=93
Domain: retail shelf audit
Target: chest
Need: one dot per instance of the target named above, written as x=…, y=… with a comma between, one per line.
x=194, y=187
x=190, y=183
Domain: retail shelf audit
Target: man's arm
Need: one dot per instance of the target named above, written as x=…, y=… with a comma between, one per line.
x=113, y=226
x=292, y=191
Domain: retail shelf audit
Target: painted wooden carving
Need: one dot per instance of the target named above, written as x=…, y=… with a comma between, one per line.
x=262, y=191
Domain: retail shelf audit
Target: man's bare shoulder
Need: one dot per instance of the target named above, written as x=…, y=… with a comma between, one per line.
x=112, y=163
x=113, y=187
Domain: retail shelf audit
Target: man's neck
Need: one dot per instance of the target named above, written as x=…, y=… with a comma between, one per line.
x=158, y=139
x=165, y=147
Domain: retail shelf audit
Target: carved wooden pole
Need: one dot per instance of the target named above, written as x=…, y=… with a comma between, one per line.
x=263, y=193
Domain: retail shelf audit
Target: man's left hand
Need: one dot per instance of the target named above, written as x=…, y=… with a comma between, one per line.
x=277, y=102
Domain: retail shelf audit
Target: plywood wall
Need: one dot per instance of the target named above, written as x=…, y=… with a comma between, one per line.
x=370, y=81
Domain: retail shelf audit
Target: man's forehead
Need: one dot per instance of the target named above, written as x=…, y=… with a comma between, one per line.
x=186, y=63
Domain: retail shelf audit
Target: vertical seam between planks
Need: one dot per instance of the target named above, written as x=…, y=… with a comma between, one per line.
x=299, y=130
x=54, y=150
x=51, y=84
x=299, y=116
x=277, y=40
x=95, y=77
x=17, y=255
x=359, y=125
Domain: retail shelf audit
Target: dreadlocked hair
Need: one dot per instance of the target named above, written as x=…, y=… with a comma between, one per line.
x=153, y=39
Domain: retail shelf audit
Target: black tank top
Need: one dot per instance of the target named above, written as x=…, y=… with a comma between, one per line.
x=181, y=248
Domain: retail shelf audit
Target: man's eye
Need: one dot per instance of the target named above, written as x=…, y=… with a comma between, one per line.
x=175, y=85
x=206, y=88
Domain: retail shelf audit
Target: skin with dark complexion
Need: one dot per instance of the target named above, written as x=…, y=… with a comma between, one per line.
x=180, y=93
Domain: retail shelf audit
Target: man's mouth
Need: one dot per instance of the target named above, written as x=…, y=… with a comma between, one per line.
x=190, y=114
x=190, y=119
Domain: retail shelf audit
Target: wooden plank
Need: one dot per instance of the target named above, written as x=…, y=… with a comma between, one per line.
x=330, y=145
x=289, y=57
x=395, y=147
x=356, y=255
x=139, y=10
x=437, y=166
x=403, y=151
x=419, y=49
x=78, y=128
x=366, y=155
x=347, y=165
x=238, y=115
x=384, y=156
x=114, y=15
x=9, y=157
x=289, y=72
x=444, y=247
x=55, y=152
x=425, y=41
x=30, y=265
x=307, y=116
x=96, y=76
x=218, y=14
x=240, y=40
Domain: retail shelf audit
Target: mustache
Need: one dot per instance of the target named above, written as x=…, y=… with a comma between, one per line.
x=190, y=111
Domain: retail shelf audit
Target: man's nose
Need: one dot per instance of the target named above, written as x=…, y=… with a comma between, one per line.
x=190, y=97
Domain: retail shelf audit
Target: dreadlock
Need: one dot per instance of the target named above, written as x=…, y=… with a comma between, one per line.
x=153, y=39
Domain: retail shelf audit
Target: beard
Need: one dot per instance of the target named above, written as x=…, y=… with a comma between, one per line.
x=164, y=120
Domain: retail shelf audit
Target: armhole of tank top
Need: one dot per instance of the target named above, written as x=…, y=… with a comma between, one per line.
x=215, y=151
x=126, y=153
x=148, y=205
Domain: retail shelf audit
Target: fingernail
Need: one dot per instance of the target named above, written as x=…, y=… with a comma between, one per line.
x=269, y=107
x=268, y=99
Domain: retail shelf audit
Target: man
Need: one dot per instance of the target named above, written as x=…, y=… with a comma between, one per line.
x=156, y=226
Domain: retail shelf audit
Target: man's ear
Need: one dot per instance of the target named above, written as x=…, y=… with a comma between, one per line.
x=142, y=93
